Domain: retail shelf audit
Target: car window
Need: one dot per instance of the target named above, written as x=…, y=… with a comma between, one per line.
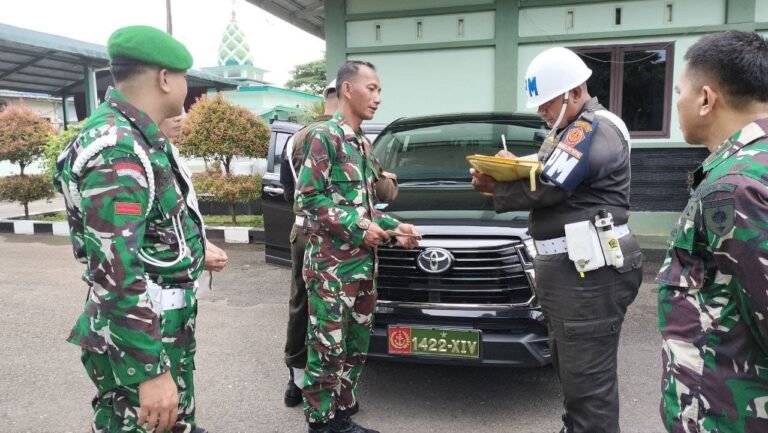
x=438, y=152
x=371, y=136
x=280, y=140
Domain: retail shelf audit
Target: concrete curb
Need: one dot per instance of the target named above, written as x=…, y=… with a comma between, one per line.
x=229, y=235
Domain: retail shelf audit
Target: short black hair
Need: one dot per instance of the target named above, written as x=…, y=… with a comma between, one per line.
x=350, y=69
x=737, y=61
x=125, y=69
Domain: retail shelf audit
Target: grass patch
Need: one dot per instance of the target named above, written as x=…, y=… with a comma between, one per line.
x=213, y=220
x=242, y=220
x=55, y=217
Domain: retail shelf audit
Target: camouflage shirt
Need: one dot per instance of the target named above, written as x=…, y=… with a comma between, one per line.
x=335, y=189
x=386, y=187
x=713, y=297
x=124, y=188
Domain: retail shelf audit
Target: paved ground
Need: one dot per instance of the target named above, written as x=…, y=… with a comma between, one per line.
x=8, y=210
x=240, y=375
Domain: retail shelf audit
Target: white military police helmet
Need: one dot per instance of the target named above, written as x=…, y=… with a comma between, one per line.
x=330, y=87
x=552, y=73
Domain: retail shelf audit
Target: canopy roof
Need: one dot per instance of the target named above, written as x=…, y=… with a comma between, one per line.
x=39, y=62
x=308, y=15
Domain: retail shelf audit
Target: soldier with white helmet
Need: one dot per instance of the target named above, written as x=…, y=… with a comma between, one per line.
x=589, y=265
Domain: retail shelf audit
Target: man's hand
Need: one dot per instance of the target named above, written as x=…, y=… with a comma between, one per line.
x=408, y=242
x=389, y=174
x=215, y=258
x=374, y=236
x=159, y=403
x=482, y=182
x=505, y=154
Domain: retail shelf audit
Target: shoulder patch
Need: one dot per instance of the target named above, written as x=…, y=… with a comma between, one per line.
x=133, y=170
x=578, y=132
x=706, y=190
x=719, y=215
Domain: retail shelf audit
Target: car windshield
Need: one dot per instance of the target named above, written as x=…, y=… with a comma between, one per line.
x=425, y=153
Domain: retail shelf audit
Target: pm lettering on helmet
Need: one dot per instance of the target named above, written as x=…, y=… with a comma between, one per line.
x=530, y=85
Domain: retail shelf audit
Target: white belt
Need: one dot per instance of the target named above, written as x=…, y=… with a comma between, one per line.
x=165, y=299
x=559, y=245
x=299, y=221
x=173, y=299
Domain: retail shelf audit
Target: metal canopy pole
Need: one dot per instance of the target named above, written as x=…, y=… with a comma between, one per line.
x=64, y=110
x=91, y=96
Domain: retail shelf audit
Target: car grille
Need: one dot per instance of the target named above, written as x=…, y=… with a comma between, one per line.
x=479, y=275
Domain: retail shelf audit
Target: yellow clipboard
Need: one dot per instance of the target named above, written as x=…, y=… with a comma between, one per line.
x=506, y=169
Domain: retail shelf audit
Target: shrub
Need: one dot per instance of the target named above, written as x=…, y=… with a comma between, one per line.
x=227, y=188
x=56, y=144
x=216, y=129
x=25, y=189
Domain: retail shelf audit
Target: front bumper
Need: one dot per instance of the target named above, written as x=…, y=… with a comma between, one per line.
x=511, y=336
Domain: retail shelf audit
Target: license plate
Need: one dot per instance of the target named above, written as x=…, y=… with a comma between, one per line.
x=406, y=340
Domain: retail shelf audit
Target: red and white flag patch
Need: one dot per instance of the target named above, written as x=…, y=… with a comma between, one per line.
x=132, y=170
x=127, y=208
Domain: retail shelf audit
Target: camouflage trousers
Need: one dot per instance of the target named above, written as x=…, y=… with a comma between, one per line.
x=338, y=334
x=116, y=407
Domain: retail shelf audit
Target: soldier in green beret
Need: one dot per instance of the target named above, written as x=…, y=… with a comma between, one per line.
x=134, y=223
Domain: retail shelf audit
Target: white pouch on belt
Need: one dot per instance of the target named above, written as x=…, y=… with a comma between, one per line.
x=584, y=246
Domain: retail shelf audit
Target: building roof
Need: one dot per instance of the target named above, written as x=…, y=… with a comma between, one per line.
x=39, y=62
x=308, y=15
x=279, y=90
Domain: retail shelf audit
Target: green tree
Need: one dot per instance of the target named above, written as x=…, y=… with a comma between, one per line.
x=311, y=114
x=56, y=144
x=217, y=130
x=309, y=77
x=23, y=137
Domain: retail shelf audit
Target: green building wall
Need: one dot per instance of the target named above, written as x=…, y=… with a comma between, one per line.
x=441, y=70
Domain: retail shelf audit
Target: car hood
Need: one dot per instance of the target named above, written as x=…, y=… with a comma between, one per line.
x=449, y=204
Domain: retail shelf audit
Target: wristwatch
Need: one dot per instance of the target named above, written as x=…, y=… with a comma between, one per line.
x=363, y=224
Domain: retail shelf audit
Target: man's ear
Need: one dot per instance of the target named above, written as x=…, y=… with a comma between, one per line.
x=162, y=80
x=575, y=94
x=346, y=90
x=709, y=99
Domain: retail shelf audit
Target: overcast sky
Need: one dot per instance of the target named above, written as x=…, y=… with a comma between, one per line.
x=275, y=45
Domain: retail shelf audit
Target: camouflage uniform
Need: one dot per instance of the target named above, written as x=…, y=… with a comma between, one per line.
x=713, y=301
x=124, y=188
x=386, y=190
x=334, y=189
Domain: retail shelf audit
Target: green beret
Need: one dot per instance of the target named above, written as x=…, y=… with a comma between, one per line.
x=145, y=44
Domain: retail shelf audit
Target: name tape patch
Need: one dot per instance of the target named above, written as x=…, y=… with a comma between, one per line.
x=127, y=208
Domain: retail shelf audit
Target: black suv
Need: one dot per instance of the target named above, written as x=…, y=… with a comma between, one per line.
x=466, y=295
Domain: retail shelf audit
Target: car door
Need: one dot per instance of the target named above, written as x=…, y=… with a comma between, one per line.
x=278, y=215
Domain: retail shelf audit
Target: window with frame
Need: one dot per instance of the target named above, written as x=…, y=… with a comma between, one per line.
x=635, y=82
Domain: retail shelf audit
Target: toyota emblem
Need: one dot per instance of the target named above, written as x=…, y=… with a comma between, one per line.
x=435, y=260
